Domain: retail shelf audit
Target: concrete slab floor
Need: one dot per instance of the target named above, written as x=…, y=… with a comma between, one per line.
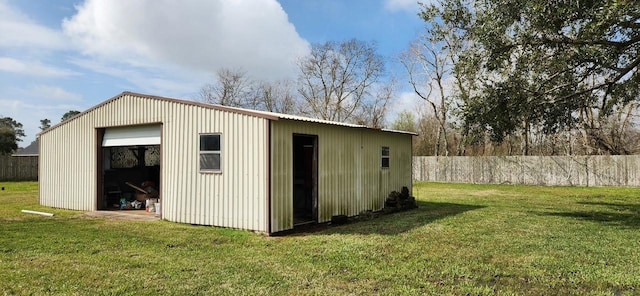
x=136, y=215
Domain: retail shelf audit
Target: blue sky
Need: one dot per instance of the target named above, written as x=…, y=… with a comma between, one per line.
x=63, y=55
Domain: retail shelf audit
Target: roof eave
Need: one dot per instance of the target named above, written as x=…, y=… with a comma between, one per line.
x=261, y=114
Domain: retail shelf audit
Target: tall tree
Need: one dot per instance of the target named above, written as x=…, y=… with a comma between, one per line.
x=232, y=88
x=373, y=110
x=45, y=124
x=69, y=114
x=10, y=133
x=337, y=81
x=545, y=63
x=8, y=141
x=277, y=96
x=429, y=62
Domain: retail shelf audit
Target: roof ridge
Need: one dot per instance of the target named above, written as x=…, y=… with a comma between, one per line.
x=251, y=112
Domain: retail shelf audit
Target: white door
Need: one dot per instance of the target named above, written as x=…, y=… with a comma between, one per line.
x=137, y=135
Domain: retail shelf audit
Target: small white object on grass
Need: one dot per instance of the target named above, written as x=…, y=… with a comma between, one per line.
x=38, y=213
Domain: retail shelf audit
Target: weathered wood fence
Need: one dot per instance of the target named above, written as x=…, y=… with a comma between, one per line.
x=531, y=170
x=18, y=168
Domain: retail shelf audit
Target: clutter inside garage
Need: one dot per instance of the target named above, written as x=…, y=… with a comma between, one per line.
x=131, y=178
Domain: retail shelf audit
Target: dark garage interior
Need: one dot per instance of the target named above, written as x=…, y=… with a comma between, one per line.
x=125, y=166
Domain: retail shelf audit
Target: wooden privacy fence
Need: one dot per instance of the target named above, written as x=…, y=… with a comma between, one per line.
x=18, y=168
x=601, y=170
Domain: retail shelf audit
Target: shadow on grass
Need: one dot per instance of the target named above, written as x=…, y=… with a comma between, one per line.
x=614, y=214
x=635, y=208
x=396, y=223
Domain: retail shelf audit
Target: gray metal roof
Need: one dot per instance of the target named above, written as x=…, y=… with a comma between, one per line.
x=32, y=150
x=314, y=120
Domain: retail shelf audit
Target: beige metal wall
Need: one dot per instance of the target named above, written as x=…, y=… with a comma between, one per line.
x=350, y=177
x=235, y=198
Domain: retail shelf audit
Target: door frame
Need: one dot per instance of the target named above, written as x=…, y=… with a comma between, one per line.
x=99, y=192
x=314, y=174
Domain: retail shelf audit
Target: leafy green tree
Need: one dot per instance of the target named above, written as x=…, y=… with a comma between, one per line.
x=8, y=141
x=541, y=63
x=45, y=124
x=10, y=133
x=405, y=121
x=17, y=127
x=69, y=114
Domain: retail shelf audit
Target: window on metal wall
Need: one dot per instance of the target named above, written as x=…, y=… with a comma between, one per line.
x=385, y=157
x=210, y=153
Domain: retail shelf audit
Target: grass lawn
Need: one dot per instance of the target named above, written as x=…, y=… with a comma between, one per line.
x=463, y=239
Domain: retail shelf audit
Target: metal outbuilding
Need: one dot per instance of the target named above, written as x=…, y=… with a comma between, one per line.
x=221, y=166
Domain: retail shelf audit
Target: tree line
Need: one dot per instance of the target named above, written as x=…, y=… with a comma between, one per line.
x=338, y=81
x=497, y=77
x=12, y=132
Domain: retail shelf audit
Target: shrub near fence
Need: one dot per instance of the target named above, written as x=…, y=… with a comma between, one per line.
x=18, y=168
x=600, y=170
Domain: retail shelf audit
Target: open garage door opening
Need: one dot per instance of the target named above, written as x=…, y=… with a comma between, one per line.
x=305, y=179
x=130, y=164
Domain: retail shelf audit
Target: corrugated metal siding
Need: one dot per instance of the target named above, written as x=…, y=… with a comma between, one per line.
x=350, y=177
x=70, y=181
x=234, y=198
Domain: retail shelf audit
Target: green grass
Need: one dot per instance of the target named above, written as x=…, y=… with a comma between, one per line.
x=463, y=239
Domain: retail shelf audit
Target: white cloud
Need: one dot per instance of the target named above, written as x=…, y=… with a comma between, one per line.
x=403, y=5
x=19, y=31
x=162, y=47
x=146, y=80
x=198, y=36
x=30, y=114
x=17, y=104
x=55, y=93
x=33, y=68
x=406, y=101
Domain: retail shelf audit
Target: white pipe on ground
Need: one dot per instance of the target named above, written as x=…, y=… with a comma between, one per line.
x=38, y=213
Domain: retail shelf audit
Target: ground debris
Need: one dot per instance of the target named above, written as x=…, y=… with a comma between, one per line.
x=399, y=201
